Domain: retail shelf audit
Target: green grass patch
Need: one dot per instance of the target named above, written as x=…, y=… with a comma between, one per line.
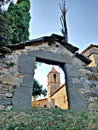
x=48, y=119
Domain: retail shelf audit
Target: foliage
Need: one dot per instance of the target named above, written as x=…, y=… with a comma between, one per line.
x=4, y=29
x=18, y=20
x=48, y=119
x=14, y=23
x=38, y=89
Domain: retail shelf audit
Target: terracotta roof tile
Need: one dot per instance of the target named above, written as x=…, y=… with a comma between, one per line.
x=53, y=70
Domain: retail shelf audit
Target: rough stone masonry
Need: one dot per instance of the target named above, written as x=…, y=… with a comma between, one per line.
x=17, y=71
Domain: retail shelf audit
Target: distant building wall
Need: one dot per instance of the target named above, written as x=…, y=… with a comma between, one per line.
x=60, y=98
x=92, y=53
x=42, y=103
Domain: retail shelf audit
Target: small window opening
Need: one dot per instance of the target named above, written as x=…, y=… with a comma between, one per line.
x=55, y=106
x=64, y=99
x=54, y=76
x=45, y=105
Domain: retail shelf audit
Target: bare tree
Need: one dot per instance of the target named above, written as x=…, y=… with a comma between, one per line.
x=63, y=20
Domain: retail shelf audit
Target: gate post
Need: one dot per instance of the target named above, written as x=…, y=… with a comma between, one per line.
x=76, y=101
x=22, y=98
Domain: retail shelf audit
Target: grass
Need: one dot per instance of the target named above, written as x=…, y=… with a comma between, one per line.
x=48, y=119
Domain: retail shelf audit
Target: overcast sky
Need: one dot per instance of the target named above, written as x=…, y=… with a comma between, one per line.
x=82, y=20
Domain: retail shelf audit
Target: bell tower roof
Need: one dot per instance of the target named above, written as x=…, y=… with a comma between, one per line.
x=53, y=70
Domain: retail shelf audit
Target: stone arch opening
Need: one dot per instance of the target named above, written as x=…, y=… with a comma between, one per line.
x=45, y=74
x=22, y=96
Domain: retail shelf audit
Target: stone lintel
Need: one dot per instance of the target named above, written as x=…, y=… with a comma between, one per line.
x=46, y=56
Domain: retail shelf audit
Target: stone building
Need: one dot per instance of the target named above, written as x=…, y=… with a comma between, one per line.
x=56, y=96
x=92, y=53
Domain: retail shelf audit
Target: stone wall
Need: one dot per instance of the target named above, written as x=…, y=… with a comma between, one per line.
x=89, y=80
x=9, y=79
x=41, y=103
x=84, y=79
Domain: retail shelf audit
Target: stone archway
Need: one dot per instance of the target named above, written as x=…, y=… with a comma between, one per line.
x=23, y=94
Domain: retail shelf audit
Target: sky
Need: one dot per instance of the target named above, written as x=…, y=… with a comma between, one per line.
x=82, y=24
x=82, y=20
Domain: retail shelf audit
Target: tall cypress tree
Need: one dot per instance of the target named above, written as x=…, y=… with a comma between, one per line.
x=18, y=20
x=4, y=30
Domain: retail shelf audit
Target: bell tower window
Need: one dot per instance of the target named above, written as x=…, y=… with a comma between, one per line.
x=54, y=78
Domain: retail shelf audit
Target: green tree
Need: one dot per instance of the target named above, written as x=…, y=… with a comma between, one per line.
x=38, y=89
x=4, y=30
x=18, y=21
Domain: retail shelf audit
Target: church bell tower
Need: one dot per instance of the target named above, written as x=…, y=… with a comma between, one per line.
x=53, y=81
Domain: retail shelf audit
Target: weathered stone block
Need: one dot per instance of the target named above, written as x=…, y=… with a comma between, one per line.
x=77, y=85
x=26, y=64
x=22, y=98
x=27, y=81
x=91, y=99
x=2, y=107
x=8, y=79
x=9, y=95
x=8, y=108
x=72, y=71
x=93, y=107
x=77, y=62
x=77, y=101
x=5, y=102
x=84, y=71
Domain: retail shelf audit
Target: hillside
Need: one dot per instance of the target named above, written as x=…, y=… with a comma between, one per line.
x=48, y=119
